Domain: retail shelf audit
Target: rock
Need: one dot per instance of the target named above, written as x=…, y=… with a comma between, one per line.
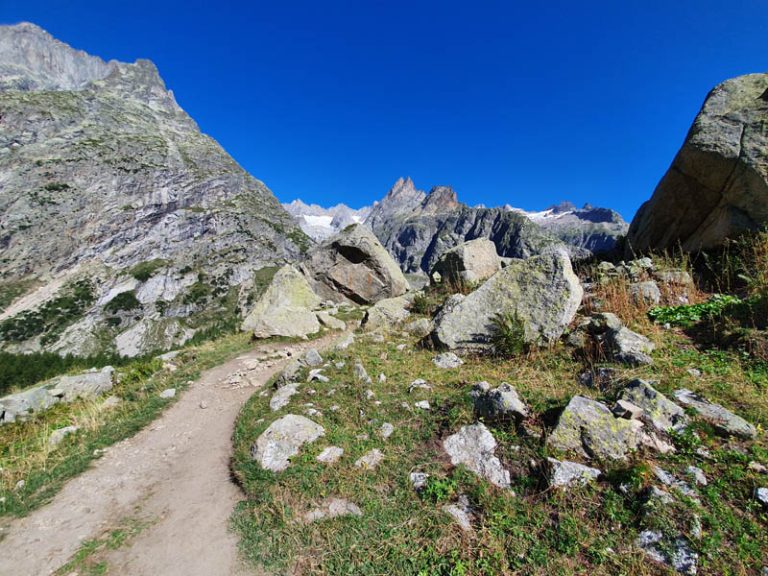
x=168, y=393
x=757, y=467
x=332, y=508
x=589, y=429
x=290, y=373
x=676, y=553
x=645, y=292
x=386, y=314
x=724, y=421
x=282, y=396
x=330, y=322
x=420, y=328
x=601, y=377
x=447, y=361
x=422, y=405
x=500, y=403
x=112, y=402
x=604, y=322
x=312, y=358
x=345, y=342
x=468, y=263
x=330, y=455
x=566, y=474
x=474, y=447
x=382, y=378
x=626, y=410
x=664, y=414
x=386, y=430
x=58, y=435
x=672, y=482
x=353, y=266
x=370, y=460
x=717, y=186
x=543, y=291
x=630, y=347
x=419, y=384
x=283, y=439
x=461, y=512
x=761, y=495
x=360, y=374
x=674, y=277
x=285, y=308
x=418, y=480
x=697, y=474
x=318, y=375
x=695, y=372
x=203, y=405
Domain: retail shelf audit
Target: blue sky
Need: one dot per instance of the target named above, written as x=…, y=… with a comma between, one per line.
x=509, y=102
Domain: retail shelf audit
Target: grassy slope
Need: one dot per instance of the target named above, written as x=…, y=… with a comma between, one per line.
x=538, y=531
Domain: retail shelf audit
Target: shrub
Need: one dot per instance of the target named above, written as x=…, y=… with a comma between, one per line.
x=123, y=301
x=692, y=313
x=145, y=270
x=508, y=335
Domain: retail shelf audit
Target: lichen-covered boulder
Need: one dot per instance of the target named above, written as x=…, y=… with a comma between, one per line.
x=285, y=308
x=588, y=428
x=502, y=403
x=542, y=291
x=283, y=439
x=664, y=414
x=724, y=421
x=470, y=263
x=564, y=474
x=353, y=266
x=629, y=347
x=386, y=314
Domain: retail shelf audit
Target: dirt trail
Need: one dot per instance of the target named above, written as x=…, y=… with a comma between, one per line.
x=174, y=473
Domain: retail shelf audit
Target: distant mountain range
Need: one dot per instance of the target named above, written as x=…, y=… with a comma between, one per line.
x=416, y=226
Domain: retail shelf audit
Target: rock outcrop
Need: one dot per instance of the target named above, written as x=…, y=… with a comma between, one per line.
x=717, y=186
x=283, y=440
x=542, y=291
x=468, y=263
x=353, y=266
x=111, y=191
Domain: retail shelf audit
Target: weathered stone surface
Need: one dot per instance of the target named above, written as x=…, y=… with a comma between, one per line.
x=717, y=186
x=370, y=460
x=474, y=447
x=543, y=291
x=420, y=327
x=498, y=403
x=660, y=411
x=761, y=495
x=168, y=393
x=312, y=358
x=361, y=374
x=645, y=292
x=588, y=428
x=354, y=266
x=330, y=455
x=331, y=322
x=58, y=435
x=563, y=474
x=282, y=396
x=386, y=314
x=283, y=439
x=630, y=347
x=285, y=308
x=676, y=552
x=461, y=512
x=470, y=262
x=721, y=418
x=386, y=430
x=447, y=361
x=332, y=508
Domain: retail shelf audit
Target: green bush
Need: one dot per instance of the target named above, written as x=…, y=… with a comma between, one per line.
x=145, y=270
x=508, y=335
x=123, y=301
x=691, y=314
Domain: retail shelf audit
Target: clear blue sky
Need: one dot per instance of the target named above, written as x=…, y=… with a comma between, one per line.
x=521, y=102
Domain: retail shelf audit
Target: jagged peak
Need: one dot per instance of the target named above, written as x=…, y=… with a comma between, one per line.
x=440, y=199
x=404, y=188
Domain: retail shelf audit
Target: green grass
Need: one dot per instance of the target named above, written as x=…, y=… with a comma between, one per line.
x=24, y=454
x=12, y=289
x=690, y=314
x=536, y=531
x=143, y=271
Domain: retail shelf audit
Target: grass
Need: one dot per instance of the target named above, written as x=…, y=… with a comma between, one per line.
x=24, y=451
x=12, y=289
x=143, y=271
x=536, y=530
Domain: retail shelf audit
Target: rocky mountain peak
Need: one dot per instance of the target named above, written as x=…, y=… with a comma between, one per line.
x=32, y=59
x=439, y=200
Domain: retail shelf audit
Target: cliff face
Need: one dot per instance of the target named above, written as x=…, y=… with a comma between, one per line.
x=717, y=186
x=106, y=182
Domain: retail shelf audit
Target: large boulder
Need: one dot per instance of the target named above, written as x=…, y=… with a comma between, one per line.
x=470, y=262
x=285, y=308
x=543, y=291
x=717, y=186
x=386, y=314
x=662, y=413
x=354, y=266
x=283, y=440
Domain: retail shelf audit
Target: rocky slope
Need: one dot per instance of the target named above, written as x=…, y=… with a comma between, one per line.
x=122, y=226
x=320, y=223
x=717, y=186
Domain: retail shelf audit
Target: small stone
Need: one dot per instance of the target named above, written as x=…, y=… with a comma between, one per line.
x=203, y=405
x=339, y=365
x=313, y=412
x=695, y=372
x=361, y=376
x=332, y=508
x=761, y=495
x=567, y=474
x=19, y=485
x=386, y=430
x=168, y=393
x=317, y=374
x=419, y=383
x=422, y=405
x=627, y=410
x=369, y=394
x=474, y=447
x=283, y=439
x=334, y=408
x=447, y=361
x=418, y=480
x=724, y=421
x=330, y=455
x=697, y=474
x=461, y=512
x=757, y=467
x=370, y=460
x=312, y=358
x=282, y=396
x=401, y=347
x=57, y=436
x=382, y=378
x=499, y=403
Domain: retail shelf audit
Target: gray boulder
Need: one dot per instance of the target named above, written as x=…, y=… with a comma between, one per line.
x=588, y=428
x=717, y=186
x=57, y=436
x=674, y=552
x=386, y=314
x=282, y=396
x=470, y=262
x=645, y=292
x=721, y=418
x=283, y=439
x=447, y=361
x=660, y=411
x=629, y=347
x=474, y=447
x=543, y=291
x=500, y=403
x=567, y=474
x=285, y=308
x=353, y=266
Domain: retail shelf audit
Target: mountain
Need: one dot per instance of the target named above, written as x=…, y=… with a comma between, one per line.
x=320, y=223
x=123, y=228
x=717, y=186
